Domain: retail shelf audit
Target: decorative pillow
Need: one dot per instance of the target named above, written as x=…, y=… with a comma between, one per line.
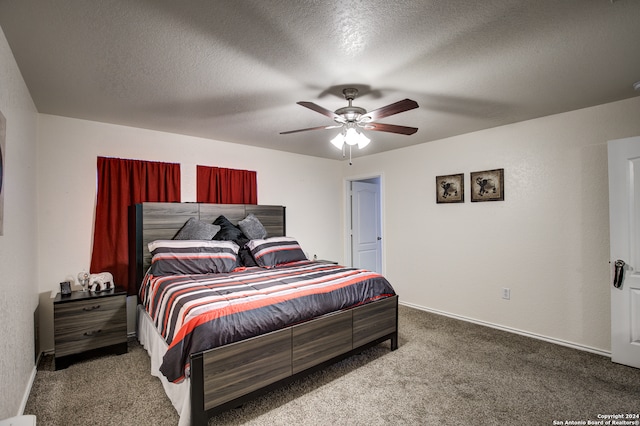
x=245, y=258
x=228, y=231
x=252, y=227
x=244, y=255
x=191, y=257
x=194, y=229
x=275, y=251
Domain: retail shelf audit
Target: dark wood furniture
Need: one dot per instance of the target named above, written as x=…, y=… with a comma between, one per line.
x=227, y=376
x=88, y=323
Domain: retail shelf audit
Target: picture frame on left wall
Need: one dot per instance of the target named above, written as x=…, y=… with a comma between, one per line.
x=3, y=136
x=450, y=188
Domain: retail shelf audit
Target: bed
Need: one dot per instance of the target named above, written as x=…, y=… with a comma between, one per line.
x=341, y=311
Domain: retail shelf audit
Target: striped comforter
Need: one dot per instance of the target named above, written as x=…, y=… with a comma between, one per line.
x=194, y=313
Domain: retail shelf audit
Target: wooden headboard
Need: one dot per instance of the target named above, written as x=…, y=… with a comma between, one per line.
x=161, y=221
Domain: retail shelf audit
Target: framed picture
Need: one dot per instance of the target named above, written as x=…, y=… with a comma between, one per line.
x=487, y=185
x=450, y=188
x=65, y=287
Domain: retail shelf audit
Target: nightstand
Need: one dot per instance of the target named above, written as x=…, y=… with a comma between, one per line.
x=87, y=323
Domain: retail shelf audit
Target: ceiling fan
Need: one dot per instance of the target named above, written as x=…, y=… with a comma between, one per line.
x=351, y=118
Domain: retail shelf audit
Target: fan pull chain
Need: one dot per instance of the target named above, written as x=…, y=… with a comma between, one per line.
x=344, y=153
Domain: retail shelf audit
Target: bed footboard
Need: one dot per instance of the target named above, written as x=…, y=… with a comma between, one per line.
x=226, y=377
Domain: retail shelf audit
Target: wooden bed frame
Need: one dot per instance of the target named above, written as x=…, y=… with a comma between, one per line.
x=226, y=377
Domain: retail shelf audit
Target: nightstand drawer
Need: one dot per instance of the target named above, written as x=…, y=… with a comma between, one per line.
x=83, y=325
x=102, y=309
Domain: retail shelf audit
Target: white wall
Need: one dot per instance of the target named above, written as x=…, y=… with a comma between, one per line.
x=309, y=187
x=548, y=241
x=18, y=254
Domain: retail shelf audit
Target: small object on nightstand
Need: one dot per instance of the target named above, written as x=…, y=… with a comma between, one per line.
x=83, y=279
x=100, y=282
x=65, y=288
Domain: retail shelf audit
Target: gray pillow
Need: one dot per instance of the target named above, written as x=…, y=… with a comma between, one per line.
x=195, y=229
x=252, y=227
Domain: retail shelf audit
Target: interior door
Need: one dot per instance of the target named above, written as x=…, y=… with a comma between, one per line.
x=366, y=227
x=624, y=217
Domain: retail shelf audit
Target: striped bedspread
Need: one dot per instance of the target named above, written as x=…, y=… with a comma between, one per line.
x=199, y=312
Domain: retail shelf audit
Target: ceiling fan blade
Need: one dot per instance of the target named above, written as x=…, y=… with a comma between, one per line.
x=394, y=108
x=311, y=128
x=392, y=128
x=317, y=108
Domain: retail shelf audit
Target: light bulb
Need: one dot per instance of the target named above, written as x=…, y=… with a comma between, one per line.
x=338, y=141
x=351, y=138
x=363, y=140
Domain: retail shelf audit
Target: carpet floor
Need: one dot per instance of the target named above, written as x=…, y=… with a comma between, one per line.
x=445, y=372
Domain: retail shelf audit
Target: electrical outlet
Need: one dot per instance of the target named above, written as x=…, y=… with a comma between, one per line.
x=506, y=293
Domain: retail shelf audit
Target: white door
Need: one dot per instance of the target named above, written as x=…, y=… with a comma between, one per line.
x=365, y=226
x=624, y=224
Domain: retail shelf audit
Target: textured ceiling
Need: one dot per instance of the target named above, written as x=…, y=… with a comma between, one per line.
x=234, y=70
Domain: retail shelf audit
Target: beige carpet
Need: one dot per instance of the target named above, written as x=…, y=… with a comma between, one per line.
x=446, y=372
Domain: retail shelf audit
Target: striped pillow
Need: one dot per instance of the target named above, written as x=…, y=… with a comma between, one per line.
x=275, y=251
x=192, y=257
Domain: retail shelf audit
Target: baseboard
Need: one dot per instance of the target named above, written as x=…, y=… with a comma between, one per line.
x=512, y=330
x=27, y=391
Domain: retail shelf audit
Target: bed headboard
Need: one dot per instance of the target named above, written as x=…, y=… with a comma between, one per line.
x=161, y=221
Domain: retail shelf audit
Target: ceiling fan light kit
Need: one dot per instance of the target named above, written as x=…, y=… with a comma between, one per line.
x=350, y=135
x=353, y=118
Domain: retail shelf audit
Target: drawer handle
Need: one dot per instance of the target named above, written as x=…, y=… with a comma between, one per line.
x=91, y=333
x=92, y=308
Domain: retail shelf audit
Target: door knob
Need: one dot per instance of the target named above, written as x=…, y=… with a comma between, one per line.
x=618, y=274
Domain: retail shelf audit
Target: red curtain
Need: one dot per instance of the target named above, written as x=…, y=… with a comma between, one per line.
x=122, y=183
x=226, y=186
